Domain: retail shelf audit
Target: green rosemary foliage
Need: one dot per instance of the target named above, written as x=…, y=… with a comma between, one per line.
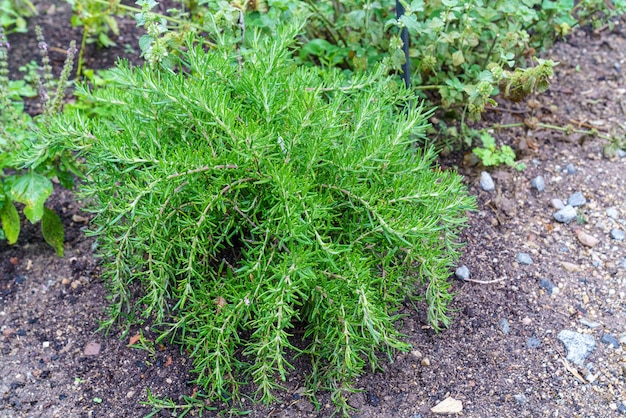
x=248, y=196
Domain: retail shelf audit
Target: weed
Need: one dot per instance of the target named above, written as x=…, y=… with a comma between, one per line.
x=13, y=14
x=19, y=138
x=490, y=154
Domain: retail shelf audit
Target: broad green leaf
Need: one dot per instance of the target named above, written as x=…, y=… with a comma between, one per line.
x=391, y=22
x=410, y=22
x=52, y=230
x=140, y=18
x=10, y=222
x=315, y=47
x=66, y=179
x=417, y=6
x=149, y=3
x=356, y=18
x=31, y=189
x=105, y=41
x=458, y=58
x=145, y=43
x=488, y=141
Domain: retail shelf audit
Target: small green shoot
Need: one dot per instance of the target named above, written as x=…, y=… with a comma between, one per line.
x=492, y=155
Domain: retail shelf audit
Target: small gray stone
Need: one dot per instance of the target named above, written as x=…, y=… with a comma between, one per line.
x=462, y=273
x=589, y=323
x=557, y=204
x=565, y=215
x=617, y=234
x=548, y=285
x=578, y=346
x=621, y=153
x=524, y=258
x=570, y=169
x=538, y=183
x=576, y=199
x=612, y=213
x=621, y=408
x=623, y=263
x=610, y=340
x=533, y=342
x=486, y=182
x=520, y=398
x=504, y=326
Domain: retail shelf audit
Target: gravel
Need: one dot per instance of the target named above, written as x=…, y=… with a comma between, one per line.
x=610, y=340
x=565, y=215
x=504, y=325
x=462, y=273
x=578, y=345
x=533, y=342
x=557, y=204
x=538, y=183
x=576, y=199
x=548, y=285
x=486, y=182
x=612, y=213
x=617, y=234
x=588, y=323
x=524, y=258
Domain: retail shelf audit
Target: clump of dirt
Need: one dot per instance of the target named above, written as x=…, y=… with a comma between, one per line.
x=501, y=356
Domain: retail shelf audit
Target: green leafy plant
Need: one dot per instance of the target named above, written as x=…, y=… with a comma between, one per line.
x=13, y=14
x=30, y=186
x=463, y=52
x=459, y=49
x=159, y=44
x=459, y=39
x=98, y=20
x=249, y=196
x=490, y=154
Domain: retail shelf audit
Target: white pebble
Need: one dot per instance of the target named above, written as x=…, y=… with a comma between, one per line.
x=486, y=182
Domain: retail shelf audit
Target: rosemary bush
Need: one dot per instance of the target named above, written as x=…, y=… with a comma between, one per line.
x=248, y=196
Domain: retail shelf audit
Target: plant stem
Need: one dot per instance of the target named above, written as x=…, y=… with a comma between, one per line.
x=137, y=10
x=569, y=129
x=329, y=25
x=428, y=87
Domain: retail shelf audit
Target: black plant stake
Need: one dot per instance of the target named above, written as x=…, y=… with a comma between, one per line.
x=404, y=35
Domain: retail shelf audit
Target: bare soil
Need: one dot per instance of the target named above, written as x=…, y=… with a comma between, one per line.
x=501, y=357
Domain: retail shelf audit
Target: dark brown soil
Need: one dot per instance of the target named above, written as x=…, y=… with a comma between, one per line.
x=50, y=307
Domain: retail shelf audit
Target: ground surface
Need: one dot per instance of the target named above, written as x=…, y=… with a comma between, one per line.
x=501, y=357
